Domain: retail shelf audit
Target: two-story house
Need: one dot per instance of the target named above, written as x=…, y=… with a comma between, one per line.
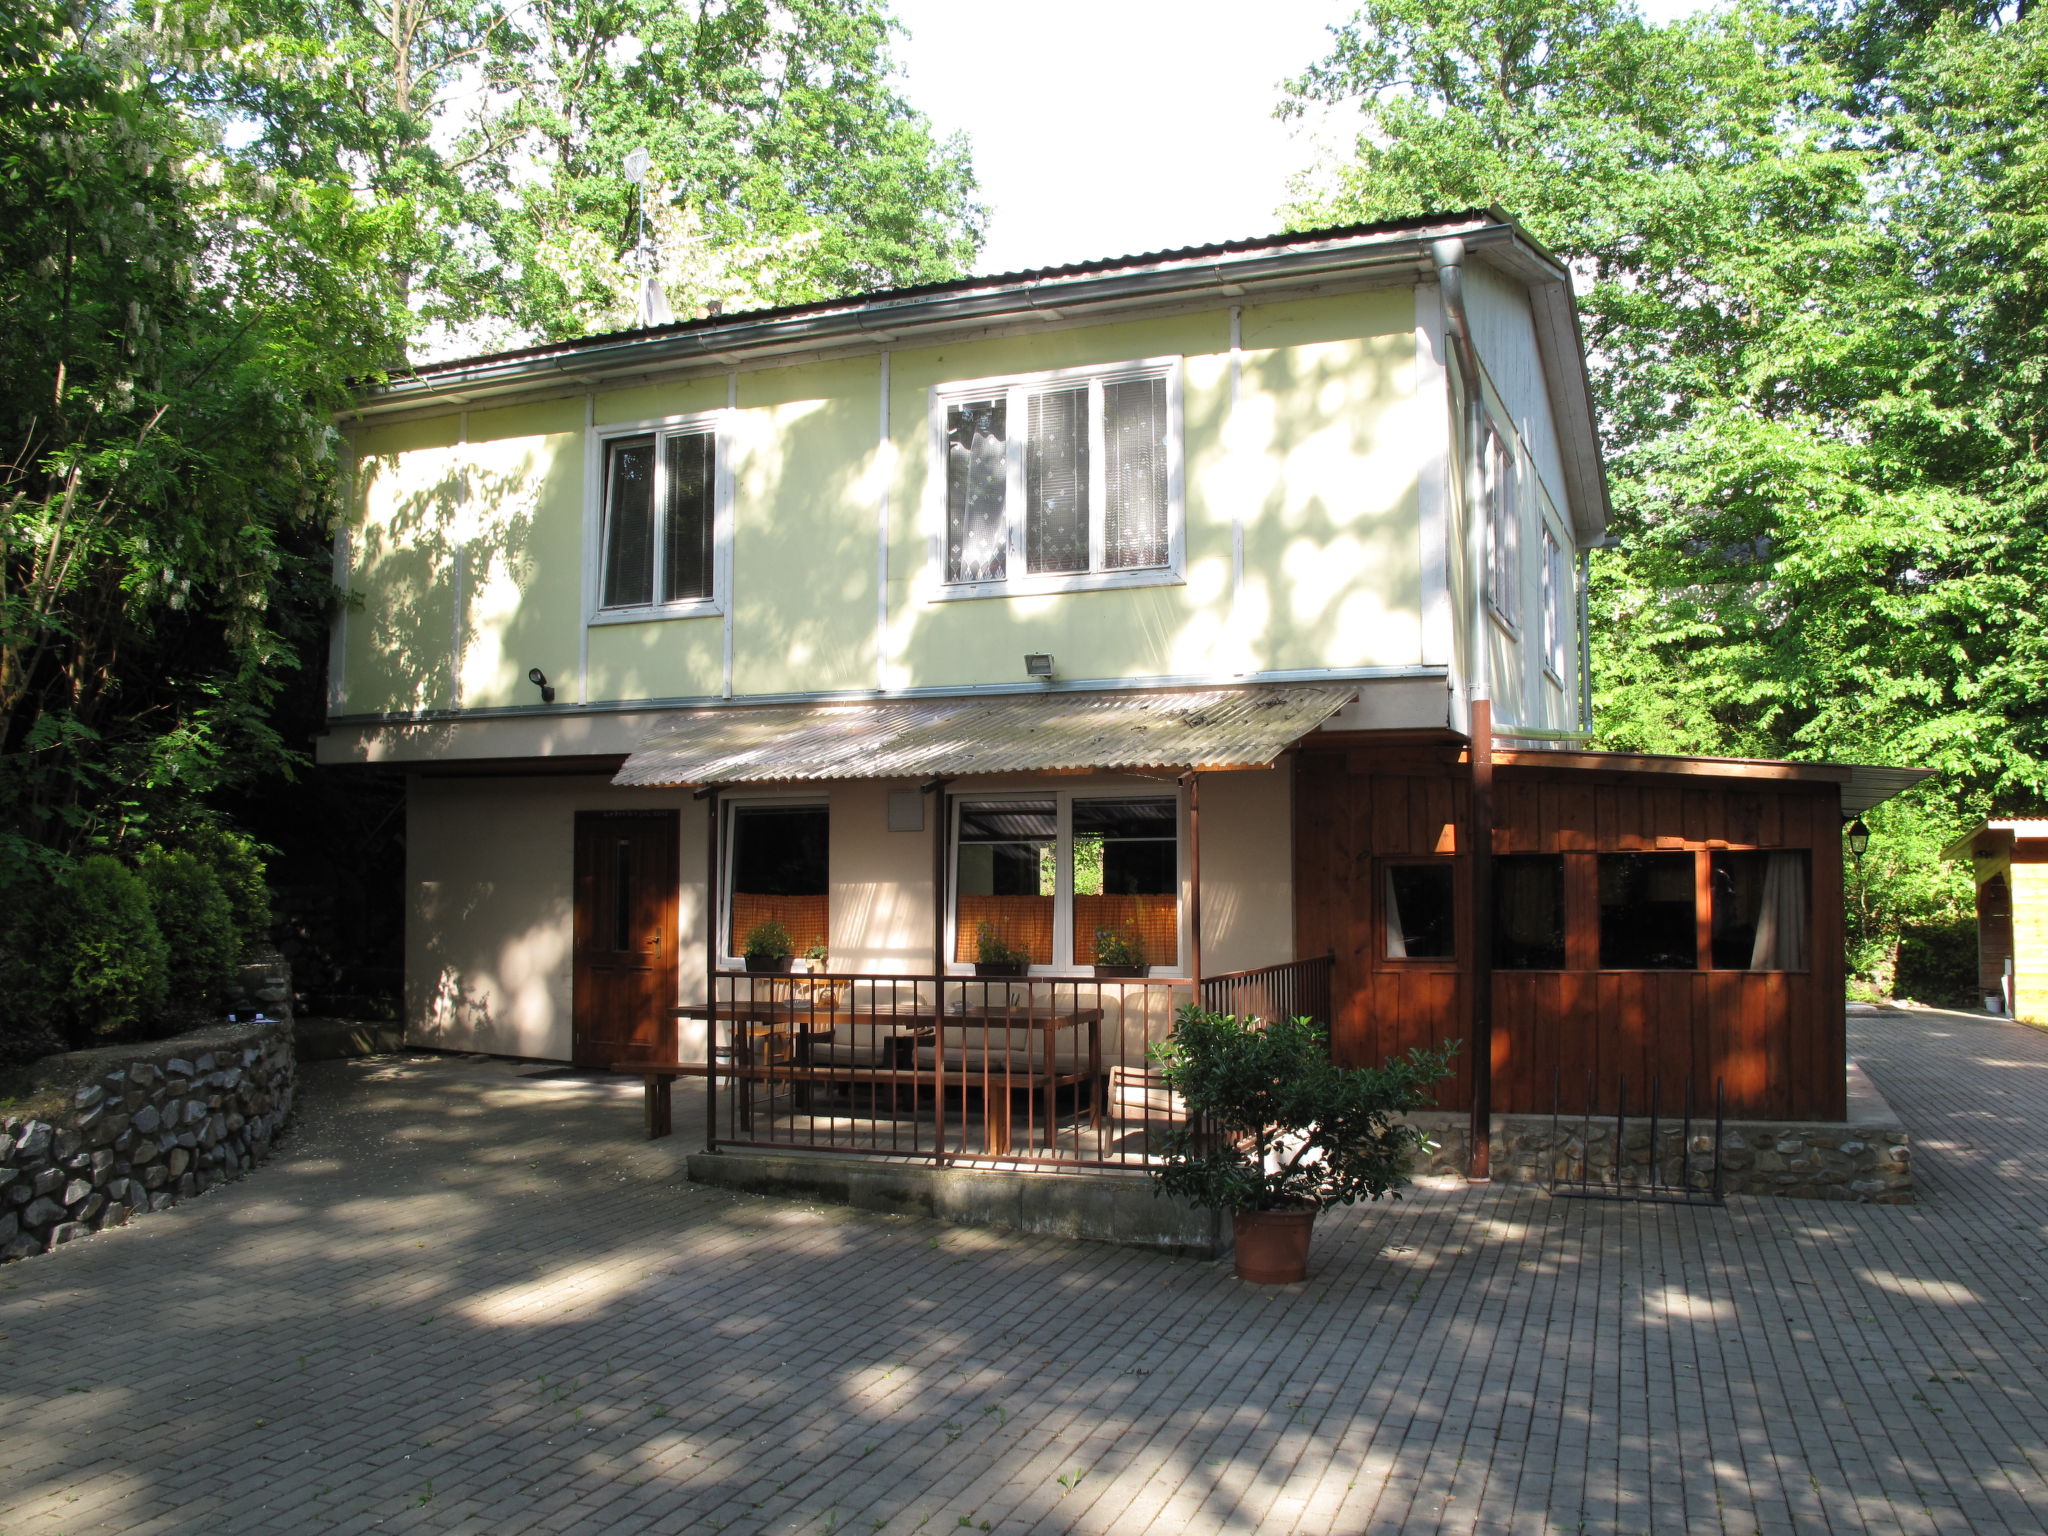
x=1219, y=601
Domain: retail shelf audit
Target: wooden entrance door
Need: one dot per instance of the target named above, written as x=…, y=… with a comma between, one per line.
x=625, y=961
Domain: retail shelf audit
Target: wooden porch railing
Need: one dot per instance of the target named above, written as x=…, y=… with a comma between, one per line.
x=1011, y=1071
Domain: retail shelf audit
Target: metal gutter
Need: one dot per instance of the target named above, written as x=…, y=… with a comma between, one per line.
x=875, y=696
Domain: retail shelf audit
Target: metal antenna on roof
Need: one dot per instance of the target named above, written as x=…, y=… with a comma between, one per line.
x=653, y=303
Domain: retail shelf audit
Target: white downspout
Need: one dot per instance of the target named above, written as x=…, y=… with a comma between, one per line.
x=1449, y=256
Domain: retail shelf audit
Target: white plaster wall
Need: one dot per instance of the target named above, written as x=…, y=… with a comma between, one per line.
x=1247, y=868
x=489, y=876
x=490, y=872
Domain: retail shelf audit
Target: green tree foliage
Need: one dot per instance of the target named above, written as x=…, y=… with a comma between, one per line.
x=176, y=332
x=784, y=165
x=1809, y=253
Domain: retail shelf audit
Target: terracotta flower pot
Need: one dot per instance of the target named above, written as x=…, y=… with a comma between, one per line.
x=1272, y=1246
x=1107, y=972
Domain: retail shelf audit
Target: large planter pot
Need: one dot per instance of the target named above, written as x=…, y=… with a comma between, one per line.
x=1272, y=1246
x=999, y=967
x=770, y=964
x=1113, y=972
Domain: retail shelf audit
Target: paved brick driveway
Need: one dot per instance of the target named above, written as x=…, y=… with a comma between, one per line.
x=427, y=1316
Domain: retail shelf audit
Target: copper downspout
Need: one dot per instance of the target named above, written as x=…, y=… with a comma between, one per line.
x=711, y=841
x=1193, y=782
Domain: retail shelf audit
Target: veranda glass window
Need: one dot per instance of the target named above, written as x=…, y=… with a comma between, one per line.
x=1416, y=902
x=778, y=870
x=1760, y=911
x=1528, y=912
x=1066, y=478
x=1647, y=912
x=1127, y=877
x=1006, y=876
x=659, y=515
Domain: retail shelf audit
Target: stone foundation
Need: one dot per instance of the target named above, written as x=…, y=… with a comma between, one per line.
x=112, y=1133
x=1867, y=1157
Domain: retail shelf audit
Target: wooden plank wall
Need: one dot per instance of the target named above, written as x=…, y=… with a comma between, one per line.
x=1775, y=1038
x=1350, y=809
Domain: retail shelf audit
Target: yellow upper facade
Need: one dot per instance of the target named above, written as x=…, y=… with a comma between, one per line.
x=1291, y=455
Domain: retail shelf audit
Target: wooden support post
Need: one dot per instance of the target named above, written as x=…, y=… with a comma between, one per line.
x=1193, y=781
x=1479, y=966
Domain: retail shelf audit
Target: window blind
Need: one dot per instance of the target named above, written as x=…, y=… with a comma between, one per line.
x=1134, y=474
x=686, y=556
x=1056, y=482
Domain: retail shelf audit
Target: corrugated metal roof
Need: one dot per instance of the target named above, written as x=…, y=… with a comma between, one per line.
x=1187, y=253
x=1206, y=728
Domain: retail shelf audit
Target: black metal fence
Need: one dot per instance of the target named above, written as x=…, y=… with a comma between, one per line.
x=1637, y=1152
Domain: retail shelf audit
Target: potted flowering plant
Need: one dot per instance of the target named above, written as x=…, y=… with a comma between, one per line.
x=994, y=957
x=1277, y=1131
x=767, y=946
x=1118, y=954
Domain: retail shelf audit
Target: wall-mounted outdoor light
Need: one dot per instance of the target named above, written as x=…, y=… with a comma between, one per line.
x=1859, y=837
x=539, y=679
x=1039, y=665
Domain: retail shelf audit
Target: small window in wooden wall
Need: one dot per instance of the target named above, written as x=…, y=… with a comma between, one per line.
x=1760, y=907
x=1648, y=912
x=1417, y=910
x=1528, y=912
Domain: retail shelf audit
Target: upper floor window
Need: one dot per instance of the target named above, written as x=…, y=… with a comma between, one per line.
x=659, y=520
x=1503, y=528
x=1062, y=480
x=1557, y=586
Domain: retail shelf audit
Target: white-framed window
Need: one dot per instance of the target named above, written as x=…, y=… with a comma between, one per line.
x=777, y=869
x=1557, y=591
x=663, y=501
x=1055, y=873
x=1059, y=481
x=1503, y=529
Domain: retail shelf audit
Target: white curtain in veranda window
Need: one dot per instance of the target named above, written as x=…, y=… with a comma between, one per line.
x=1397, y=935
x=1781, y=916
x=629, y=523
x=1134, y=478
x=1056, y=481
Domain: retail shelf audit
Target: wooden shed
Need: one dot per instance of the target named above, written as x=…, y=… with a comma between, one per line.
x=1663, y=919
x=2009, y=862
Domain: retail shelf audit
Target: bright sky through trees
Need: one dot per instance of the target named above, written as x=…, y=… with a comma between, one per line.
x=1111, y=126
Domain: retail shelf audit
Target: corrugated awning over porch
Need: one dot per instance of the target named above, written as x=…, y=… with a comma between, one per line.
x=912, y=738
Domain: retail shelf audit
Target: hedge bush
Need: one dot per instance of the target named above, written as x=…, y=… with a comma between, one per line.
x=197, y=921
x=104, y=966
x=236, y=860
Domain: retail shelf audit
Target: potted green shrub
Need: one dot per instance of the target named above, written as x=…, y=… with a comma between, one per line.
x=1118, y=954
x=768, y=946
x=1277, y=1131
x=994, y=957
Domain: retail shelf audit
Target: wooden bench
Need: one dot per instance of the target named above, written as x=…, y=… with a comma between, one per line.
x=660, y=1080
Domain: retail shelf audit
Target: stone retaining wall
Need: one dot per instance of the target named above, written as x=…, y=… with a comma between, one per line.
x=111, y=1133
